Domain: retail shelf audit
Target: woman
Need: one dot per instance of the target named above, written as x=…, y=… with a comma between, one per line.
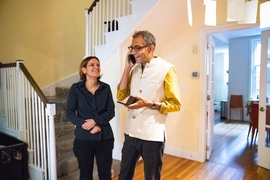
x=90, y=107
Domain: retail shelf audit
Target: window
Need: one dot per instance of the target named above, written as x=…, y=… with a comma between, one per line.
x=255, y=68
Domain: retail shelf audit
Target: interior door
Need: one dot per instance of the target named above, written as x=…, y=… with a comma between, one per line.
x=264, y=104
x=210, y=98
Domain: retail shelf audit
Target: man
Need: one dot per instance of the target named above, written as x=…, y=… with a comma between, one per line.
x=154, y=83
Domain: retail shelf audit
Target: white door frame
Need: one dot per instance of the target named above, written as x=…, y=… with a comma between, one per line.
x=210, y=112
x=263, y=152
x=204, y=33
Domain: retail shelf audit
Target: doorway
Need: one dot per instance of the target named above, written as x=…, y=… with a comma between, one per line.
x=222, y=68
x=230, y=30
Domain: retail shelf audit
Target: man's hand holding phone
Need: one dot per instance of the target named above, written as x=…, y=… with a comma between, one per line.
x=129, y=101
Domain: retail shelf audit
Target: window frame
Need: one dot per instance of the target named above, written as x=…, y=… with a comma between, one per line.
x=255, y=66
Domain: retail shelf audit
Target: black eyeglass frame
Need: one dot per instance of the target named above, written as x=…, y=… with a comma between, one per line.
x=137, y=48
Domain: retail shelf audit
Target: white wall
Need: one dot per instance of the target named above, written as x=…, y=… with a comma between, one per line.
x=239, y=70
x=221, y=75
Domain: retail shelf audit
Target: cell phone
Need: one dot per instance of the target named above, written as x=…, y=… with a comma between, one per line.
x=132, y=58
x=130, y=100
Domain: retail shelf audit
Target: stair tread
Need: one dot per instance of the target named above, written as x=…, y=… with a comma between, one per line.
x=57, y=98
x=66, y=163
x=66, y=156
x=63, y=129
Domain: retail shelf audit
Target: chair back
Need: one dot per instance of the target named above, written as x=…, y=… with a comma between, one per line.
x=267, y=115
x=254, y=114
x=236, y=101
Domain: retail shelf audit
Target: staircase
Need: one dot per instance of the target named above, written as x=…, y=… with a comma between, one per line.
x=67, y=166
x=104, y=40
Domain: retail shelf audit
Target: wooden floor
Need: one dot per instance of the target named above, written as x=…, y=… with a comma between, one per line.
x=232, y=159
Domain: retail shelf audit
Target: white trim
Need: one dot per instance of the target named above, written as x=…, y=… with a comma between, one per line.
x=35, y=172
x=204, y=33
x=183, y=154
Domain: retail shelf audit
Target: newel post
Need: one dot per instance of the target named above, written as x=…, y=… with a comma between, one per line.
x=51, y=110
x=20, y=101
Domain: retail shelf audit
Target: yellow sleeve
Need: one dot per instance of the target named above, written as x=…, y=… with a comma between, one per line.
x=122, y=94
x=172, y=102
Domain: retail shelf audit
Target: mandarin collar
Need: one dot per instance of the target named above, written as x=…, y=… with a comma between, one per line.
x=151, y=62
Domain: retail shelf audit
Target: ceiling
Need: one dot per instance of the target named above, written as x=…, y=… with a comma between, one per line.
x=222, y=38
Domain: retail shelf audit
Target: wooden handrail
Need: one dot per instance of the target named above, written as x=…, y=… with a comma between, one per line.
x=30, y=79
x=34, y=84
x=41, y=137
x=92, y=6
x=7, y=65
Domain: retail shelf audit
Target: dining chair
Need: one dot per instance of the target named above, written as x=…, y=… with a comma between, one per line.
x=236, y=104
x=254, y=117
x=248, y=113
x=267, y=136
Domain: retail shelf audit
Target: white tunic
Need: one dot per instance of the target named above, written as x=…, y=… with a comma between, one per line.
x=146, y=123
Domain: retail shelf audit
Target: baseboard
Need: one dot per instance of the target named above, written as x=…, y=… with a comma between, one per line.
x=183, y=154
x=35, y=173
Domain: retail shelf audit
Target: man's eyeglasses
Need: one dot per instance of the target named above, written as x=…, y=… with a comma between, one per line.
x=136, y=48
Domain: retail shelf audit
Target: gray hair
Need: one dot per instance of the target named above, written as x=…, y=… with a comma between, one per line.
x=148, y=37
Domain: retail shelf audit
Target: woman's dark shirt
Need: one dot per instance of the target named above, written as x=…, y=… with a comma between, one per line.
x=82, y=105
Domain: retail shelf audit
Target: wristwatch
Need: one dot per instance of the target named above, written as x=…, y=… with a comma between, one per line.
x=153, y=106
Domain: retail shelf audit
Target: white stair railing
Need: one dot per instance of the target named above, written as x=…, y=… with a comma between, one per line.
x=111, y=22
x=102, y=19
x=28, y=117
